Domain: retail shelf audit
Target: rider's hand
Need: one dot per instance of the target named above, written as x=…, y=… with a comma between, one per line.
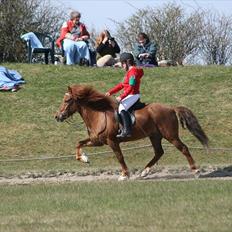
x=118, y=99
x=107, y=94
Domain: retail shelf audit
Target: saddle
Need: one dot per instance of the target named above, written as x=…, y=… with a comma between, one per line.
x=136, y=106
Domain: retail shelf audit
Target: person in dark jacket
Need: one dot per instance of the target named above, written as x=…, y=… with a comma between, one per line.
x=106, y=48
x=145, y=51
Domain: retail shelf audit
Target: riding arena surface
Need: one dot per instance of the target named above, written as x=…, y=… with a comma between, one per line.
x=164, y=173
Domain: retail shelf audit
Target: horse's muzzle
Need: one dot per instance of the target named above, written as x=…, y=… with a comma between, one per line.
x=59, y=117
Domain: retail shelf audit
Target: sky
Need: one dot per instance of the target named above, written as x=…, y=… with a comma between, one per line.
x=103, y=14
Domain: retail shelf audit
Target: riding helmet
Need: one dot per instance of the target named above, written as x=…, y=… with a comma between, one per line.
x=126, y=56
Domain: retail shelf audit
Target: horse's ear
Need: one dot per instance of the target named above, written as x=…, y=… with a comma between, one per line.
x=69, y=89
x=71, y=92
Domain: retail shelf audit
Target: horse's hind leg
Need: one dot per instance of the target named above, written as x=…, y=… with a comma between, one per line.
x=185, y=151
x=158, y=150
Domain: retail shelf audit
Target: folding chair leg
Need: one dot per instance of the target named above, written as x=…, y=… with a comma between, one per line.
x=29, y=55
x=30, y=58
x=46, y=58
x=52, y=57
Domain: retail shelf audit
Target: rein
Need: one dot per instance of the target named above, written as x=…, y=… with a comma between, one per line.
x=85, y=124
x=71, y=122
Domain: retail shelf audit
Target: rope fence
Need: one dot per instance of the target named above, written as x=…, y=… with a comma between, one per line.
x=109, y=151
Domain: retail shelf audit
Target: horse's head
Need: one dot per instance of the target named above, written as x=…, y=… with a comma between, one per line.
x=68, y=106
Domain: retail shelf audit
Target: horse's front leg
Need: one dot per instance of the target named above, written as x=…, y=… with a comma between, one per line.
x=117, y=151
x=81, y=156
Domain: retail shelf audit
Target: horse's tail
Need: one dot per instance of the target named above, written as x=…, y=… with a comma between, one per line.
x=189, y=120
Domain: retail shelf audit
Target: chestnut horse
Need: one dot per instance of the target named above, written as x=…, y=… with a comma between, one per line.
x=156, y=121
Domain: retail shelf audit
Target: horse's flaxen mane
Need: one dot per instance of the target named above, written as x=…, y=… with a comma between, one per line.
x=88, y=96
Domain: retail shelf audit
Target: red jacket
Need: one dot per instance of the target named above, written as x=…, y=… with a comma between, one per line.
x=130, y=84
x=67, y=28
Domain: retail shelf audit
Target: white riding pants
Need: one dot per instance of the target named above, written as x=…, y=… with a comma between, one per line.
x=127, y=102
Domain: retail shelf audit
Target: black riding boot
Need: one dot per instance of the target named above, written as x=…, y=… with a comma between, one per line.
x=126, y=122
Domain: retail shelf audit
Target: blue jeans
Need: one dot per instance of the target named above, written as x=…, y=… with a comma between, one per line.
x=75, y=50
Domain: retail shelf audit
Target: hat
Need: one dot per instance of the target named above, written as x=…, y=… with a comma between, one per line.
x=126, y=56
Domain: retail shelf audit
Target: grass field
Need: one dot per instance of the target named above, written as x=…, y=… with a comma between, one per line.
x=28, y=130
x=111, y=206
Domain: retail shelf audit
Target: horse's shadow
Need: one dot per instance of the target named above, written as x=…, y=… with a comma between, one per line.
x=219, y=172
x=206, y=172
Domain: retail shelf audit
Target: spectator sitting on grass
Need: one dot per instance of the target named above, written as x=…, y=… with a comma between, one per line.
x=106, y=48
x=145, y=51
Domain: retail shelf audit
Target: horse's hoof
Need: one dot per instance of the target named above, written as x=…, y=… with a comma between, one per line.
x=123, y=177
x=145, y=172
x=84, y=158
x=197, y=173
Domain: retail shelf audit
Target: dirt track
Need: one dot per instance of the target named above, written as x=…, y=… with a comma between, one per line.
x=157, y=174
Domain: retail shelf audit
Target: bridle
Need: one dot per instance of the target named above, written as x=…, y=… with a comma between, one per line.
x=68, y=103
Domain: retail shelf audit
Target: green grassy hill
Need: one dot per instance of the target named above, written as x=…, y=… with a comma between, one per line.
x=28, y=128
x=29, y=131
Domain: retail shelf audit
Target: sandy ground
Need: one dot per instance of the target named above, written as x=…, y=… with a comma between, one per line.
x=156, y=174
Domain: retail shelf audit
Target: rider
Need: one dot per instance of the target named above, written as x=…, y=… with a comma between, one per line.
x=131, y=93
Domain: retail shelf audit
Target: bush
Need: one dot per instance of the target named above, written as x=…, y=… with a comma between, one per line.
x=21, y=16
